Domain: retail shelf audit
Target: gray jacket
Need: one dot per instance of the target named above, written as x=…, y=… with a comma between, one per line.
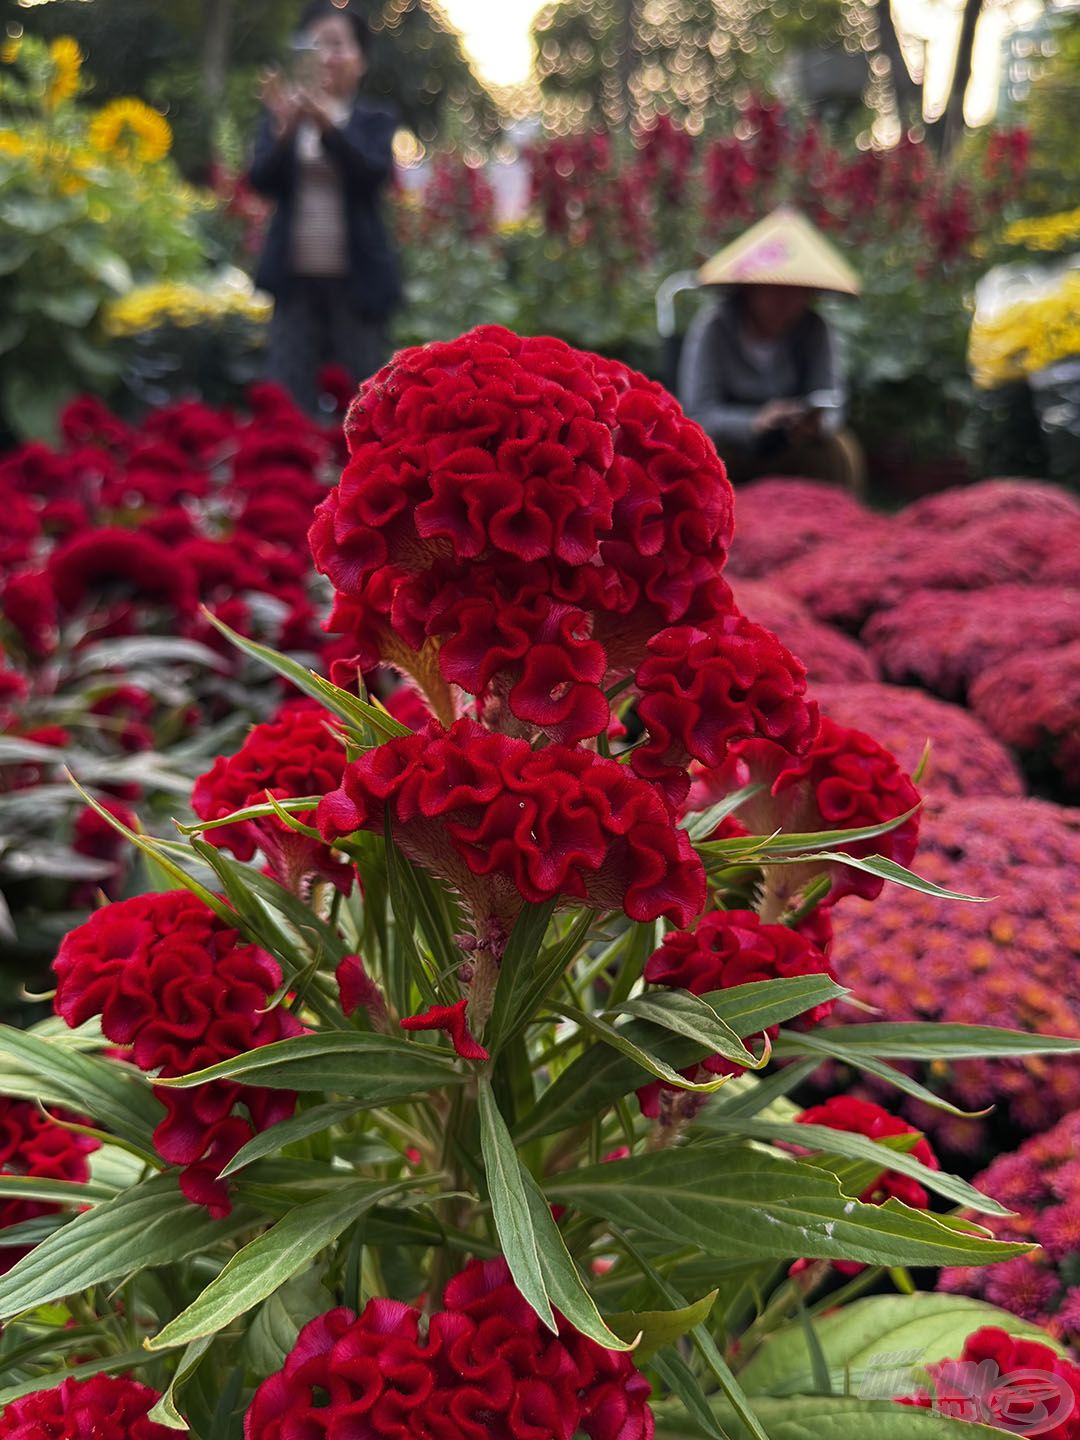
x=722, y=385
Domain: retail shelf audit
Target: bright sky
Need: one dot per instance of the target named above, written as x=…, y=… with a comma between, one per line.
x=496, y=35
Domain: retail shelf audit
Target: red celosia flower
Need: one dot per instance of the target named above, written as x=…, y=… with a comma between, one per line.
x=127, y=711
x=119, y=563
x=944, y=641
x=724, y=949
x=13, y=689
x=199, y=431
x=107, y=1407
x=539, y=510
x=965, y=759
x=505, y=823
x=845, y=781
x=700, y=690
x=31, y=1143
x=1008, y=1382
x=28, y=605
x=450, y=1018
x=179, y=986
x=487, y=1370
x=95, y=837
x=87, y=420
x=291, y=755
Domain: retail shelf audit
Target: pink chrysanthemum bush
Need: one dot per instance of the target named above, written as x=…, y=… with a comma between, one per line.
x=427, y=1087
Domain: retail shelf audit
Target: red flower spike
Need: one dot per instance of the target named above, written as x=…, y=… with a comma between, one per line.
x=452, y=1019
x=107, y=1407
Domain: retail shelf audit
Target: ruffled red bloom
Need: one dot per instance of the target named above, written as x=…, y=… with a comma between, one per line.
x=182, y=989
x=31, y=1143
x=452, y=1020
x=94, y=837
x=540, y=510
x=119, y=564
x=724, y=949
x=487, y=1370
x=700, y=690
x=196, y=429
x=1008, y=1382
x=106, y=1407
x=505, y=823
x=86, y=420
x=291, y=755
x=845, y=781
x=28, y=605
x=127, y=711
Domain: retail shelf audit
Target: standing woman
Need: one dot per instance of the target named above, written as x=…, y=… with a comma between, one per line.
x=324, y=155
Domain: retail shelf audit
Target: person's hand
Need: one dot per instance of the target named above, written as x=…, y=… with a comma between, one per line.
x=777, y=415
x=313, y=107
x=806, y=426
x=281, y=100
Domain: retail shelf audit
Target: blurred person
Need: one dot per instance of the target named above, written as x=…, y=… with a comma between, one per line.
x=758, y=369
x=324, y=155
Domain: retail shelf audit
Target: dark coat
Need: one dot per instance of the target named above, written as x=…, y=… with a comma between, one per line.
x=361, y=149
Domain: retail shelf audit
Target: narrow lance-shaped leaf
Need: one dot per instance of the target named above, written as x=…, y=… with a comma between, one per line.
x=936, y=1040
x=516, y=968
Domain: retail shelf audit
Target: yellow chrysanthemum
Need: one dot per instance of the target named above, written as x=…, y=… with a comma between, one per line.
x=151, y=306
x=129, y=130
x=67, y=61
x=1027, y=336
x=9, y=50
x=1045, y=232
x=11, y=143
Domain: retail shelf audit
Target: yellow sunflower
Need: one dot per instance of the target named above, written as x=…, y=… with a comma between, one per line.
x=130, y=131
x=67, y=61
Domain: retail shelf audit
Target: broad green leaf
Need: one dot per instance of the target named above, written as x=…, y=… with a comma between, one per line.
x=150, y=1224
x=116, y=1095
x=377, y=1069
x=660, y=1327
x=601, y=1075
x=689, y=1015
x=860, y=1147
x=736, y=1202
x=886, y=1333
x=64, y=1192
x=287, y=1132
x=644, y=1059
x=932, y=1040
x=516, y=968
x=259, y=1268
x=273, y=1331
x=510, y=1205
x=562, y=1281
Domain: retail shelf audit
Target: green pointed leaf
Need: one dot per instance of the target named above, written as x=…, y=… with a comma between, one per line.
x=339, y=702
x=150, y=1224
x=859, y=1147
x=510, y=1206
x=819, y=1042
x=252, y=812
x=683, y=1383
x=786, y=843
x=689, y=1015
x=658, y=1328
x=884, y=869
x=117, y=1096
x=516, y=968
x=836, y=1417
x=377, y=1069
x=644, y=1059
x=733, y=1201
x=165, y=1411
x=259, y=1268
x=63, y=1192
x=704, y=822
x=933, y=1040
x=562, y=1281
x=601, y=1075
x=287, y=1132
x=534, y=985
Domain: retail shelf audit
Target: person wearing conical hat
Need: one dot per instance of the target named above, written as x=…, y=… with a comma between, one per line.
x=758, y=368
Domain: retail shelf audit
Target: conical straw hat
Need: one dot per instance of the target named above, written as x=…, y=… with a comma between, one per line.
x=782, y=249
